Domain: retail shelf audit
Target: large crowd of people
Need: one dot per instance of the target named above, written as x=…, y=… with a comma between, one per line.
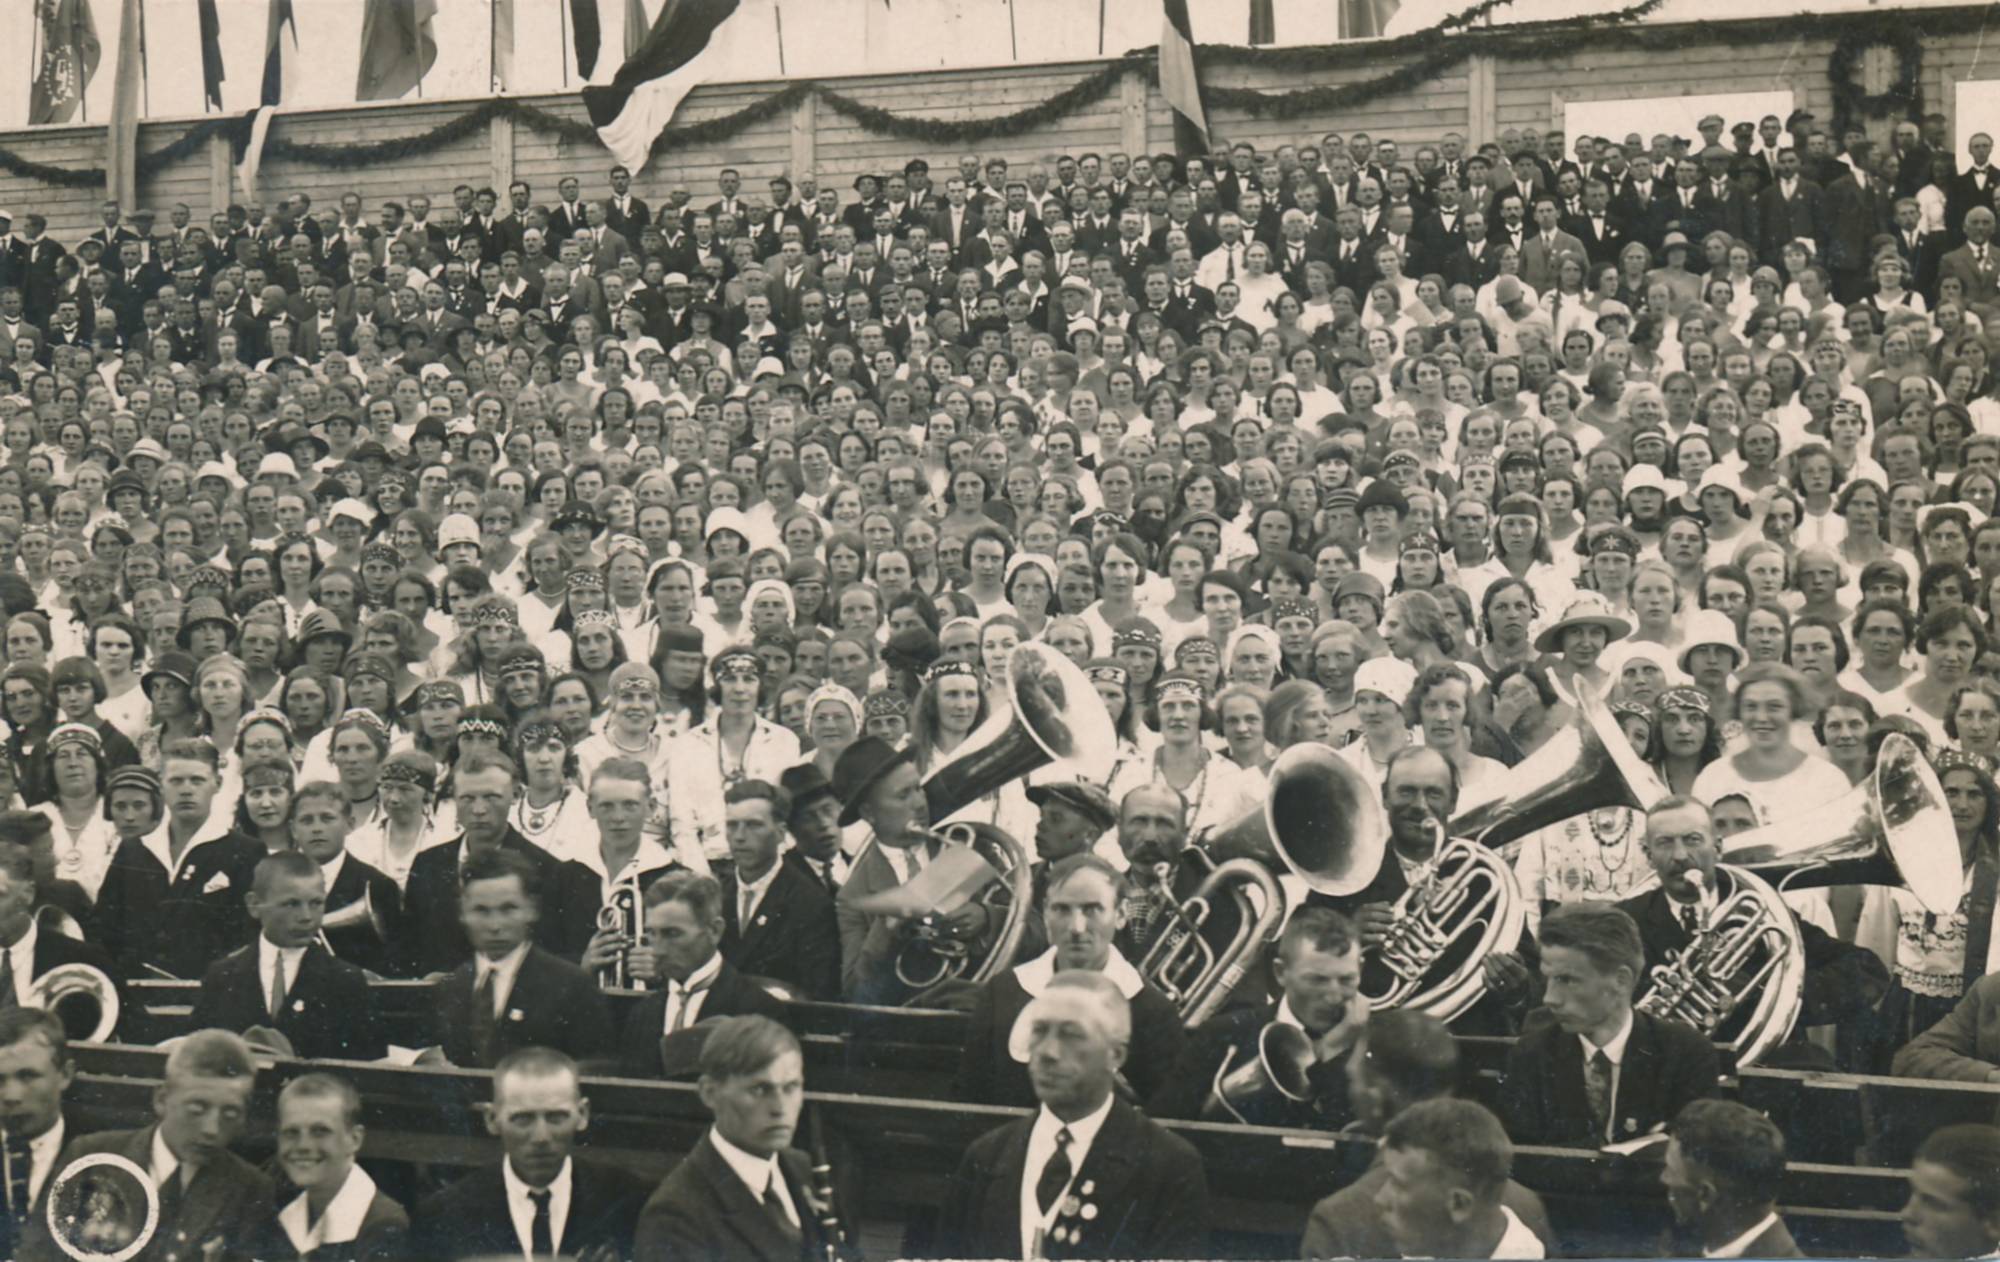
x=539, y=595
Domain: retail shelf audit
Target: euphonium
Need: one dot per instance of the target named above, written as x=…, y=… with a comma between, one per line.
x=621, y=914
x=1321, y=822
x=1587, y=765
x=1741, y=980
x=1463, y=905
x=1056, y=716
x=81, y=997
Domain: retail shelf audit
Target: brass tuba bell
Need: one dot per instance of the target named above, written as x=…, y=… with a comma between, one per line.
x=1278, y=1072
x=355, y=930
x=1891, y=829
x=1588, y=765
x=1056, y=716
x=1460, y=908
x=81, y=997
x=1741, y=979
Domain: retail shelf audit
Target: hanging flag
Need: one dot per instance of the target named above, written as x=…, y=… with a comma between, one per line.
x=279, y=84
x=503, y=45
x=1263, y=22
x=632, y=111
x=398, y=48
x=637, y=26
x=589, y=35
x=1180, y=83
x=211, y=53
x=121, y=139
x=70, y=53
x=1365, y=19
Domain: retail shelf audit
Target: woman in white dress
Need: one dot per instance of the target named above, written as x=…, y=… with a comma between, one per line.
x=1771, y=772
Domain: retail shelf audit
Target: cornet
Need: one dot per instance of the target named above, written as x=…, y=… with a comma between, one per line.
x=621, y=914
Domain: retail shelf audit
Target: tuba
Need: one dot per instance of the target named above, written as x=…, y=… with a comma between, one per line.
x=1741, y=980
x=931, y=957
x=103, y=1205
x=1278, y=1072
x=1321, y=822
x=81, y=997
x=1588, y=765
x=358, y=930
x=622, y=914
x=1891, y=829
x=1464, y=905
x=1056, y=716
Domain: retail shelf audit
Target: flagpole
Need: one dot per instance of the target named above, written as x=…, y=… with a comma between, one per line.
x=1100, y=27
x=1013, y=38
x=778, y=16
x=34, y=65
x=562, y=27
x=145, y=79
x=493, y=44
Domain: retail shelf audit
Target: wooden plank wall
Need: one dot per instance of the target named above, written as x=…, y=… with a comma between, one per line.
x=1480, y=98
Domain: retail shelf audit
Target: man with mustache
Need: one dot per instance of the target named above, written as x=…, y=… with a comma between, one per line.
x=1842, y=981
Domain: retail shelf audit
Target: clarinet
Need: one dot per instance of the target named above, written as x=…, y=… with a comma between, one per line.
x=836, y=1246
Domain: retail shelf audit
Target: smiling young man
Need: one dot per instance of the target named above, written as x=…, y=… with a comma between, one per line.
x=319, y=1136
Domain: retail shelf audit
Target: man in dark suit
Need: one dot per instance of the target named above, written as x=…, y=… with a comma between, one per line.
x=1587, y=1069
x=1087, y=1175
x=1842, y=981
x=483, y=791
x=1603, y=233
x=1973, y=186
x=286, y=992
x=512, y=994
x=1856, y=210
x=1976, y=264
x=1724, y=1168
x=1318, y=971
x=213, y=1204
x=1790, y=209
x=688, y=980
x=368, y=904
x=744, y=1192
x=778, y=921
x=625, y=213
x=543, y=1200
x=1082, y=910
x=35, y=1072
x=1403, y=1058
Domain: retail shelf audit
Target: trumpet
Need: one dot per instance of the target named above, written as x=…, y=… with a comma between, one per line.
x=621, y=914
x=1463, y=905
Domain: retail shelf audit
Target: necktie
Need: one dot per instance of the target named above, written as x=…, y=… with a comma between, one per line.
x=774, y=1205
x=541, y=1236
x=171, y=1197
x=20, y=1171
x=277, y=984
x=8, y=997
x=482, y=1014
x=746, y=899
x=684, y=995
x=1056, y=1174
x=1597, y=1090
x=1691, y=918
x=1231, y=257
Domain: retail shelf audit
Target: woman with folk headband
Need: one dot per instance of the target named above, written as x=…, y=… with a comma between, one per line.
x=952, y=705
x=1112, y=681
x=1216, y=790
x=381, y=566
x=264, y=810
x=553, y=810
x=1685, y=737
x=625, y=583
x=597, y=651
x=524, y=680
x=1936, y=957
x=1200, y=658
x=885, y=715
x=82, y=833
x=731, y=745
x=407, y=825
x=360, y=743
x=492, y=626
x=432, y=714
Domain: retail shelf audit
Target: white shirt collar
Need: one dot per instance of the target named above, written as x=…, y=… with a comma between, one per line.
x=1081, y=1132
x=330, y=870
x=1034, y=976
x=1615, y=1048
x=266, y=951
x=1285, y=1015
x=650, y=854
x=757, y=1173
x=339, y=1224
x=505, y=970
x=1041, y=1150
x=162, y=1164
x=23, y=961
x=1518, y=1241
x=703, y=977
x=1735, y=1248
x=159, y=841
x=522, y=1210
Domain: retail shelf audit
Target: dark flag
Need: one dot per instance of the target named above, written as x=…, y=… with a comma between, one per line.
x=589, y=35
x=632, y=111
x=211, y=53
x=1180, y=83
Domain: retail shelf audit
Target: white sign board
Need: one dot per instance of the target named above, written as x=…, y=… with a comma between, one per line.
x=1674, y=115
x=1975, y=108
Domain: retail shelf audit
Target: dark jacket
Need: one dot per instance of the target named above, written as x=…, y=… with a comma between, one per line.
x=1666, y=1065
x=1350, y=1224
x=704, y=1210
x=1964, y=1046
x=731, y=995
x=358, y=946
x=469, y=1219
x=1150, y=1192
x=792, y=936
x=989, y=1074
x=384, y=1236
x=180, y=922
x=436, y=941
x=553, y=1003
x=329, y=1014
x=1231, y=1037
x=224, y=1211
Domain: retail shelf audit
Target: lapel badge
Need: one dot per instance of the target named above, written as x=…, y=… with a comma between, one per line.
x=1631, y=1125
x=762, y=920
x=298, y=1005
x=515, y=1014
x=1089, y=1186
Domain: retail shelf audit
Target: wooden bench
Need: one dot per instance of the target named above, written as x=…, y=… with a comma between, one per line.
x=896, y=1154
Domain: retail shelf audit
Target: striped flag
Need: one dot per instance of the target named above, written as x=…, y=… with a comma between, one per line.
x=121, y=140
x=1180, y=83
x=398, y=48
x=70, y=53
x=634, y=108
x=211, y=53
x=589, y=35
x=278, y=84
